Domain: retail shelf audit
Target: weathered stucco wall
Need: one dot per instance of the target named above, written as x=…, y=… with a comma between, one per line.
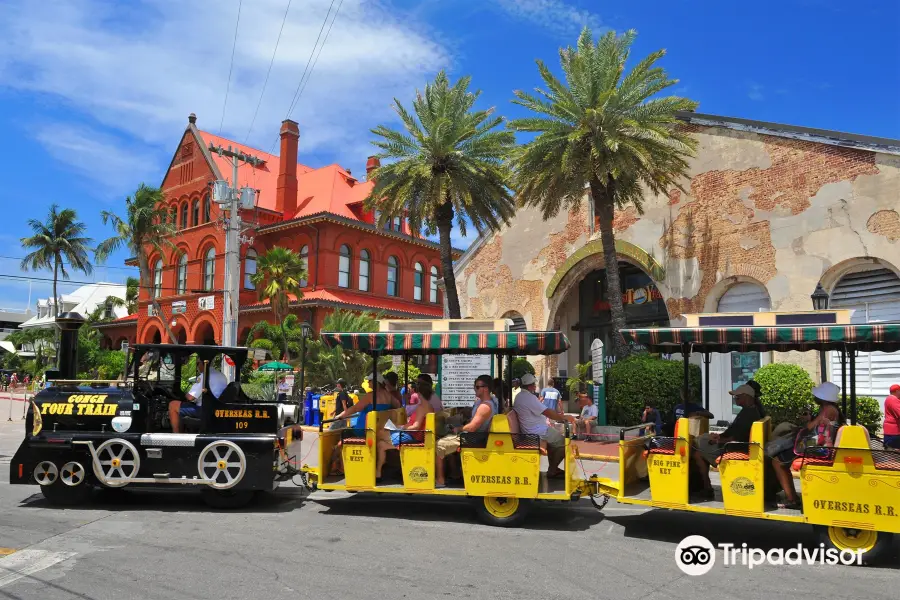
x=783, y=212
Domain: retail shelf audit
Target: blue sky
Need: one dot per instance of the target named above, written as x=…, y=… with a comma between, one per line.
x=94, y=94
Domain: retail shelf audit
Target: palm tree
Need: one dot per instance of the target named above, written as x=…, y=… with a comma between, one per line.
x=449, y=163
x=278, y=275
x=56, y=241
x=132, y=289
x=602, y=128
x=146, y=227
x=270, y=337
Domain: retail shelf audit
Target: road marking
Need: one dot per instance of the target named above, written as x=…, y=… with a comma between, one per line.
x=6, y=551
x=27, y=562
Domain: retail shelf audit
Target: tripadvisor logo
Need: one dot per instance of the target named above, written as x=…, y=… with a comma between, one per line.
x=696, y=555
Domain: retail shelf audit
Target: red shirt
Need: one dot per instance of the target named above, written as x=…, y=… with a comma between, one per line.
x=892, y=415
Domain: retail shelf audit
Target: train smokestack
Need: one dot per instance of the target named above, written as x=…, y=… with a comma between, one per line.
x=68, y=323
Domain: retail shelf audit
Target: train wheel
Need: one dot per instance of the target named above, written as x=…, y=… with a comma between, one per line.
x=873, y=544
x=227, y=499
x=503, y=512
x=118, y=462
x=223, y=463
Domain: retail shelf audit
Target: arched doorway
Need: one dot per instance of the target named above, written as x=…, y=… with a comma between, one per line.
x=644, y=307
x=204, y=334
x=518, y=321
x=728, y=371
x=872, y=292
x=152, y=335
x=180, y=334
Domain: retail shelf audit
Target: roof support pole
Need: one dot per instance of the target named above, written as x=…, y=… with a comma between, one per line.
x=844, y=382
x=706, y=360
x=686, y=358
x=852, y=357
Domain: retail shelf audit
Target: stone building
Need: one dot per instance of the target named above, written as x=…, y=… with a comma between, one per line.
x=768, y=212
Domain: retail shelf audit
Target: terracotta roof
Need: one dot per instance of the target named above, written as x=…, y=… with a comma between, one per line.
x=357, y=301
x=126, y=320
x=327, y=189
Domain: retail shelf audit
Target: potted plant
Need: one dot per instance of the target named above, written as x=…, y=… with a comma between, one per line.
x=578, y=385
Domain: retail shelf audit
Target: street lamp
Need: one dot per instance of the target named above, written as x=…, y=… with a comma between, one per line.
x=820, y=302
x=305, y=332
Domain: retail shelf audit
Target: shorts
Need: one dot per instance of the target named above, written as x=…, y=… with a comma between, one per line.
x=892, y=441
x=781, y=450
x=709, y=450
x=189, y=409
x=398, y=437
x=447, y=445
x=553, y=438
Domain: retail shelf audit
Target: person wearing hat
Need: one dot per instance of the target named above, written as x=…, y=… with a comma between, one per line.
x=533, y=417
x=892, y=418
x=818, y=431
x=711, y=446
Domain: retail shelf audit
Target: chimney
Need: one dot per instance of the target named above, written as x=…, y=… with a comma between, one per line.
x=371, y=164
x=68, y=324
x=286, y=194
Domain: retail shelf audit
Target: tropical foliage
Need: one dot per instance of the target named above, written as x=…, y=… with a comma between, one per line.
x=578, y=384
x=324, y=366
x=448, y=164
x=605, y=129
x=274, y=337
x=56, y=243
x=278, y=276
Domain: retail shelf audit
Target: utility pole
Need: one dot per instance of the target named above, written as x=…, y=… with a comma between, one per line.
x=232, y=199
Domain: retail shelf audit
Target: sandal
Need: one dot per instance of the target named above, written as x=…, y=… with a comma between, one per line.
x=790, y=505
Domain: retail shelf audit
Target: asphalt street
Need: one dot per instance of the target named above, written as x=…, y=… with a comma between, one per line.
x=287, y=544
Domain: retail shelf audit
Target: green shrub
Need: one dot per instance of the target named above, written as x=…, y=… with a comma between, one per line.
x=520, y=366
x=399, y=370
x=868, y=413
x=786, y=391
x=644, y=378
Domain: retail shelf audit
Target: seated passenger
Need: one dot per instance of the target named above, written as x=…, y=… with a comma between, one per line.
x=425, y=393
x=533, y=417
x=385, y=401
x=392, y=385
x=710, y=446
x=483, y=411
x=191, y=408
x=818, y=431
x=386, y=439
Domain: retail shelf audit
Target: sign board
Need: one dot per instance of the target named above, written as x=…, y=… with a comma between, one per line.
x=458, y=373
x=151, y=310
x=259, y=354
x=598, y=366
x=206, y=302
x=397, y=361
x=179, y=307
x=289, y=380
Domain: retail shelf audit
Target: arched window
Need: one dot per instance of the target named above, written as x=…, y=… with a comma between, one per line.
x=344, y=267
x=304, y=260
x=173, y=217
x=398, y=223
x=181, y=284
x=206, y=208
x=249, y=268
x=195, y=213
x=364, y=262
x=393, y=276
x=209, y=269
x=418, y=282
x=739, y=367
x=433, y=290
x=157, y=278
x=184, y=221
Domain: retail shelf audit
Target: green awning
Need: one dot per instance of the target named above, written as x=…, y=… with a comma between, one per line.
x=866, y=338
x=457, y=342
x=276, y=366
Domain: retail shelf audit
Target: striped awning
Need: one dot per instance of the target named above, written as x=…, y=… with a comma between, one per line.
x=867, y=338
x=455, y=342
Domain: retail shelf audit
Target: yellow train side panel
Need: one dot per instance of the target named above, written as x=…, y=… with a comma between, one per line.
x=743, y=479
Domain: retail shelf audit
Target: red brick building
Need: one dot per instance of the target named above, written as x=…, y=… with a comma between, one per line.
x=351, y=263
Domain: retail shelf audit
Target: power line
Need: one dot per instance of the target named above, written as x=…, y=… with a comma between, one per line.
x=272, y=62
x=231, y=66
x=305, y=69
x=20, y=258
x=324, y=41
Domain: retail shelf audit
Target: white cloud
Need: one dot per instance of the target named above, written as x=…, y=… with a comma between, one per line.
x=756, y=92
x=139, y=69
x=98, y=157
x=559, y=16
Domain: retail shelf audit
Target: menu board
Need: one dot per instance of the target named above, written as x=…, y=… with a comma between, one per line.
x=458, y=373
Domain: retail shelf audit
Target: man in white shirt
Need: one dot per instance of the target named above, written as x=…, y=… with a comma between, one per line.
x=533, y=417
x=191, y=408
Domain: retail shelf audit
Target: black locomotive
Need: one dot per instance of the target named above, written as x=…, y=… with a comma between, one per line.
x=81, y=435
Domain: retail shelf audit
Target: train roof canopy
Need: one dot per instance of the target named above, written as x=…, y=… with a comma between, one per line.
x=883, y=337
x=452, y=342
